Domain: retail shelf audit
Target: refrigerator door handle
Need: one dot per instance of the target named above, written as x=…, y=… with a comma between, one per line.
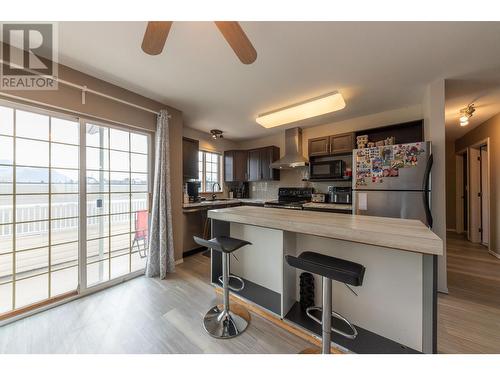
x=426, y=190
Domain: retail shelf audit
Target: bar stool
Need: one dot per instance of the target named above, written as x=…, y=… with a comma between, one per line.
x=329, y=268
x=223, y=322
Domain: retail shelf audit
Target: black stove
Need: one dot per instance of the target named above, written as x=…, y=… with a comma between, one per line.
x=291, y=198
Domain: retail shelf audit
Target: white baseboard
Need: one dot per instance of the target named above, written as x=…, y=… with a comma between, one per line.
x=496, y=255
x=451, y=229
x=179, y=261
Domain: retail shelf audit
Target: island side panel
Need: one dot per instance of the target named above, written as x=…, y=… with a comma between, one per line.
x=288, y=297
x=264, y=254
x=390, y=301
x=260, y=262
x=429, y=301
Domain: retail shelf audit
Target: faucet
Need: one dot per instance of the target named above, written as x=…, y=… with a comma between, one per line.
x=213, y=189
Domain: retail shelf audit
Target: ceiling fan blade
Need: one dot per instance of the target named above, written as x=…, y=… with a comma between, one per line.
x=155, y=37
x=237, y=39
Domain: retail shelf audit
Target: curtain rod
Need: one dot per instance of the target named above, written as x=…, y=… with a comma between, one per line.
x=85, y=90
x=70, y=111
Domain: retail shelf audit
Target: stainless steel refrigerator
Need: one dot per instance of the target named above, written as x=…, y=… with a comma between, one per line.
x=393, y=181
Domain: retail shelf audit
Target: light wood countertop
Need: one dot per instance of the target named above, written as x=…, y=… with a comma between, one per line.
x=401, y=234
x=328, y=206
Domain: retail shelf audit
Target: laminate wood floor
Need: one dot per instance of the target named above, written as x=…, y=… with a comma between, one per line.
x=469, y=316
x=143, y=316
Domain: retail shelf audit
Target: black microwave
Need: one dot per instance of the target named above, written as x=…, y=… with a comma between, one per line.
x=326, y=170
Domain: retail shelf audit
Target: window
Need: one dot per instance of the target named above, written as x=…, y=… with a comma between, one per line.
x=44, y=211
x=210, y=171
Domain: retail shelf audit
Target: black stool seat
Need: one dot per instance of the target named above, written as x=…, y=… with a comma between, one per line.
x=333, y=268
x=223, y=244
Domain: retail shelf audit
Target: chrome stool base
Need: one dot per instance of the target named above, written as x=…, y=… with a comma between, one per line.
x=223, y=324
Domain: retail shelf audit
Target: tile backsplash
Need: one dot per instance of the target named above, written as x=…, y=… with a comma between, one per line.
x=268, y=190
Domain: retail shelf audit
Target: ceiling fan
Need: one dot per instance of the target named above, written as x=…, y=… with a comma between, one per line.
x=157, y=32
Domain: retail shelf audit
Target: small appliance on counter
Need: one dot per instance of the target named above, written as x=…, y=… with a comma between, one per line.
x=318, y=198
x=340, y=195
x=192, y=189
x=291, y=198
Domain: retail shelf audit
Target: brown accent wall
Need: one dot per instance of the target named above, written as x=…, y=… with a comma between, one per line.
x=96, y=107
x=491, y=129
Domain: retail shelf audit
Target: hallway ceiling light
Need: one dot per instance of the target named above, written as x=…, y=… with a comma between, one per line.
x=466, y=113
x=321, y=105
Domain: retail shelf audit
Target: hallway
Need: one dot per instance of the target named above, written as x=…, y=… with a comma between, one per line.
x=469, y=316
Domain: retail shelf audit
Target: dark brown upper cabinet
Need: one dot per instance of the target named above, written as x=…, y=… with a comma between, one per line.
x=190, y=149
x=235, y=165
x=342, y=143
x=319, y=146
x=259, y=164
x=331, y=145
x=254, y=165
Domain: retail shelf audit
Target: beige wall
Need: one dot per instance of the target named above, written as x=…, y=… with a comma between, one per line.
x=489, y=129
x=434, y=129
x=207, y=143
x=69, y=100
x=450, y=185
x=359, y=123
x=269, y=190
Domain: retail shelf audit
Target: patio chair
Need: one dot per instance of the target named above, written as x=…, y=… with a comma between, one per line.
x=141, y=232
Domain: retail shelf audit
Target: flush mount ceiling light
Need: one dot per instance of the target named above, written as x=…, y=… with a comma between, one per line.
x=320, y=105
x=216, y=133
x=465, y=114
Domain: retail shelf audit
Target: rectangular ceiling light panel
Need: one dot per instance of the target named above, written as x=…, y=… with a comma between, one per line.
x=311, y=108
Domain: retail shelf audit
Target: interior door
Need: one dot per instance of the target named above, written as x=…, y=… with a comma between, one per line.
x=485, y=194
x=474, y=195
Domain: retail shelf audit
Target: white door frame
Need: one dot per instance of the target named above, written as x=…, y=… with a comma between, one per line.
x=459, y=187
x=477, y=145
x=460, y=193
x=474, y=203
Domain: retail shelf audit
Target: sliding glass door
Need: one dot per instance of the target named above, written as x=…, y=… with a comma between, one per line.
x=117, y=202
x=39, y=200
x=73, y=205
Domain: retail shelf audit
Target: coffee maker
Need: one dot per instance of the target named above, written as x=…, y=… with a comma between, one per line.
x=192, y=189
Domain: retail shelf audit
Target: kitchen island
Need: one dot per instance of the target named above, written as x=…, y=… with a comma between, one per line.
x=395, y=308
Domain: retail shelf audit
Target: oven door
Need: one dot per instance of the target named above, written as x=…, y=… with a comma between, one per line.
x=332, y=169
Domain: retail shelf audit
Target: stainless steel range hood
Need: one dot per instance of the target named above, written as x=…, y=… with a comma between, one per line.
x=293, y=151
